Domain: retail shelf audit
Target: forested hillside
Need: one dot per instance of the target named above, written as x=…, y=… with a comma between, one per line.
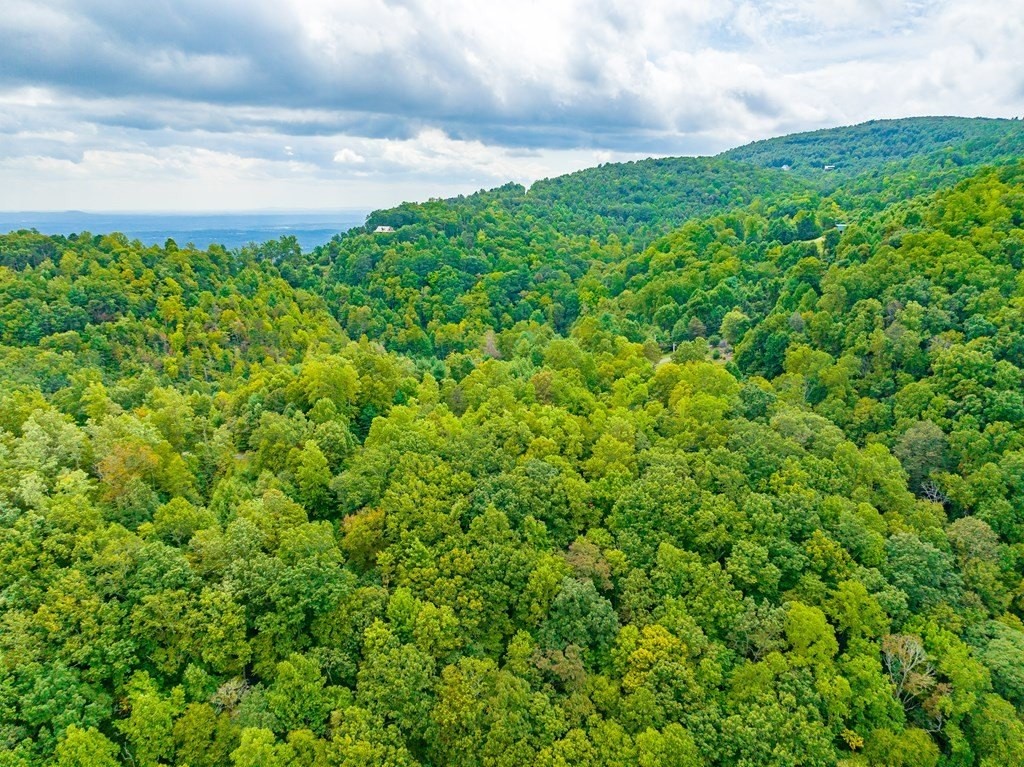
x=687, y=463
x=878, y=143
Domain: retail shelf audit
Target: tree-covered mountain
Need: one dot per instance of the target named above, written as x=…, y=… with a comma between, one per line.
x=650, y=465
x=877, y=144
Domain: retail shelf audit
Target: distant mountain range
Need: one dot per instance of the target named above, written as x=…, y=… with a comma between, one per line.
x=232, y=230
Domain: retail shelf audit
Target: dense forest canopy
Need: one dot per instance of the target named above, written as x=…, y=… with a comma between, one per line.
x=687, y=462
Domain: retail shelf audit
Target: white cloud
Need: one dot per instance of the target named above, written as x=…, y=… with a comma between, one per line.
x=348, y=157
x=427, y=97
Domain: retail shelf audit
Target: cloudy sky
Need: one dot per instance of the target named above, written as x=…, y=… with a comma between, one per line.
x=313, y=104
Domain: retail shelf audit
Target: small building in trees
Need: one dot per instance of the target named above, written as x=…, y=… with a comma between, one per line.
x=383, y=229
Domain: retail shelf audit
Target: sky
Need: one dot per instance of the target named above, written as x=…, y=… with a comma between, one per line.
x=200, y=105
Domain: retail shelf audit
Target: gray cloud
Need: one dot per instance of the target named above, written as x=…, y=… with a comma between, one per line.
x=390, y=59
